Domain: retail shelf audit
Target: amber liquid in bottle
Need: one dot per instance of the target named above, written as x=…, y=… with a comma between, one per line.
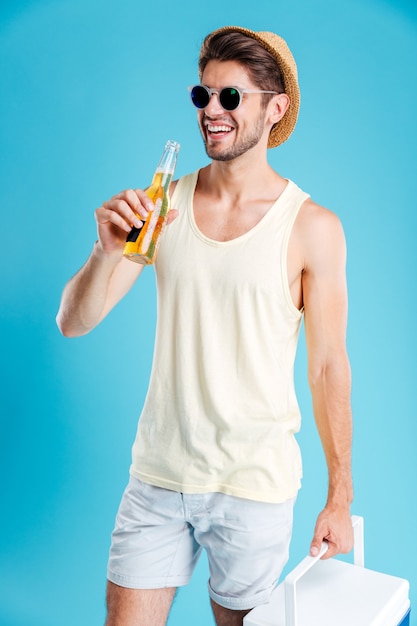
x=142, y=243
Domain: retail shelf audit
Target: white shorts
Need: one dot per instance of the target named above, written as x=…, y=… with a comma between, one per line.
x=159, y=535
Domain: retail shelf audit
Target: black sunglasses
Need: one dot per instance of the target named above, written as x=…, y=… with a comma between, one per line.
x=230, y=98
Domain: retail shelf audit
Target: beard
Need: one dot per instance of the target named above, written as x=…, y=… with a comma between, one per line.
x=242, y=145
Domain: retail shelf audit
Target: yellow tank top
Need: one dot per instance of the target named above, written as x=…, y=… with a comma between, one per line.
x=221, y=411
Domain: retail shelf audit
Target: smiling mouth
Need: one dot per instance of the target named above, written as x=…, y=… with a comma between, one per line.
x=217, y=129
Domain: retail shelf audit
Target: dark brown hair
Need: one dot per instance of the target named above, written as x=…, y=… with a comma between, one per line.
x=234, y=46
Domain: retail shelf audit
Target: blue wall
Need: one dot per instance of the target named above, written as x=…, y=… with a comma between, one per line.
x=90, y=92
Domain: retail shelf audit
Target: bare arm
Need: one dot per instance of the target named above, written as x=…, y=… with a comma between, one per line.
x=94, y=291
x=325, y=307
x=106, y=276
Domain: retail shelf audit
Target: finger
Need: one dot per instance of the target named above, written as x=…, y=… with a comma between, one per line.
x=320, y=535
x=123, y=208
x=144, y=199
x=331, y=551
x=131, y=202
x=315, y=547
x=346, y=541
x=138, y=202
x=127, y=205
x=104, y=215
x=172, y=215
x=338, y=543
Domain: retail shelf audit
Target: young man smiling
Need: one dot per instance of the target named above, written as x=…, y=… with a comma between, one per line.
x=215, y=462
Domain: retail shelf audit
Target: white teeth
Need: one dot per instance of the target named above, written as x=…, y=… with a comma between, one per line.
x=218, y=129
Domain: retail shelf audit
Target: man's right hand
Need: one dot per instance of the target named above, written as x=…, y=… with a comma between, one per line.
x=116, y=217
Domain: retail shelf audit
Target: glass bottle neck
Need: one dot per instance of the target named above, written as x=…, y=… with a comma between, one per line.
x=166, y=165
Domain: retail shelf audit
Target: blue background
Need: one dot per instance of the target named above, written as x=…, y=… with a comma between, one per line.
x=90, y=92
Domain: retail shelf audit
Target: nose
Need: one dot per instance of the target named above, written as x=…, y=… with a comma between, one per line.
x=214, y=107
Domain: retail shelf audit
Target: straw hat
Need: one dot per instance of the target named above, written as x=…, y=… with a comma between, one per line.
x=280, y=51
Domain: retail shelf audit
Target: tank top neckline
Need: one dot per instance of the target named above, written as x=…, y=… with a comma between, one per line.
x=249, y=233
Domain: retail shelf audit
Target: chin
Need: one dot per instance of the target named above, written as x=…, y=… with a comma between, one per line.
x=217, y=154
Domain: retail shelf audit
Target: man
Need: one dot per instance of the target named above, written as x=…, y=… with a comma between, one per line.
x=215, y=462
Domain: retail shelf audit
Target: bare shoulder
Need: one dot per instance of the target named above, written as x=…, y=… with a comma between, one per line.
x=319, y=234
x=317, y=217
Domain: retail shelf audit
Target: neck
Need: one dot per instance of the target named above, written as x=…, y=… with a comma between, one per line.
x=240, y=178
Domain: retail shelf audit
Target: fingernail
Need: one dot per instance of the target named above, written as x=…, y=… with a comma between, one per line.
x=314, y=551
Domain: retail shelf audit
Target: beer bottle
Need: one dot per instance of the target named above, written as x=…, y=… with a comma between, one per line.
x=142, y=243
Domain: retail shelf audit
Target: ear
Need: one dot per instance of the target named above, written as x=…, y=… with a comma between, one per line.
x=278, y=106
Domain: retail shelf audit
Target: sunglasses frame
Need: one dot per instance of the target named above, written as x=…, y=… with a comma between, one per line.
x=219, y=92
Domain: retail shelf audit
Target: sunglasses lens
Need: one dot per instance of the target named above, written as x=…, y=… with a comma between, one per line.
x=229, y=98
x=200, y=96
